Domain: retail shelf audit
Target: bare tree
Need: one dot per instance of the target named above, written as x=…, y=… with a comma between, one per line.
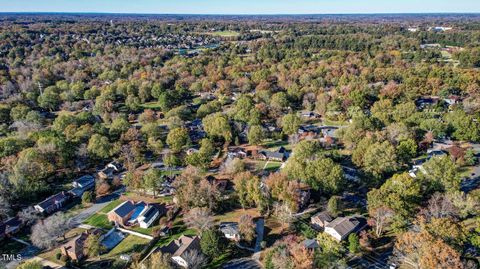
x=380, y=218
x=200, y=219
x=246, y=227
x=284, y=214
x=439, y=206
x=28, y=216
x=5, y=209
x=195, y=259
x=45, y=233
x=232, y=166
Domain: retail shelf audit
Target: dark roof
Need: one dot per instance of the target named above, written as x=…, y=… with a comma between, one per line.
x=229, y=228
x=85, y=180
x=10, y=223
x=273, y=154
x=346, y=225
x=323, y=216
x=124, y=209
x=150, y=213
x=52, y=200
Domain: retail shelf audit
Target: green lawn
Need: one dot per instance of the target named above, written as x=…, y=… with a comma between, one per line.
x=151, y=105
x=179, y=228
x=129, y=245
x=271, y=166
x=98, y=220
x=111, y=206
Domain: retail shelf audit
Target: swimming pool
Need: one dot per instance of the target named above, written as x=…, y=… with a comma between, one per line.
x=138, y=209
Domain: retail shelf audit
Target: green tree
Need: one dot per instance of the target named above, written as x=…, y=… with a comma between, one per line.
x=401, y=194
x=211, y=243
x=152, y=180
x=334, y=205
x=118, y=126
x=380, y=159
x=441, y=174
x=216, y=125
x=290, y=123
x=255, y=134
x=353, y=243
x=49, y=99
x=407, y=149
x=94, y=246
x=99, y=146
x=88, y=197
x=323, y=174
x=177, y=139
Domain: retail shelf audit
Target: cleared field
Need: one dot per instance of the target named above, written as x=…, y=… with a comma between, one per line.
x=223, y=33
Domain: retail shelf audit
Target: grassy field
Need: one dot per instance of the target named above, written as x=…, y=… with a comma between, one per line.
x=178, y=229
x=271, y=165
x=99, y=220
x=151, y=105
x=110, y=206
x=223, y=33
x=129, y=245
x=234, y=216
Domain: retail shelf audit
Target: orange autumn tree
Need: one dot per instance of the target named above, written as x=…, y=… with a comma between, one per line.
x=422, y=250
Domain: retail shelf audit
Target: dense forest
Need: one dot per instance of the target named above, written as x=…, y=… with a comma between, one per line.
x=80, y=91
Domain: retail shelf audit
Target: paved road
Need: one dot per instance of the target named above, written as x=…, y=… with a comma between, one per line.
x=260, y=230
x=243, y=263
x=26, y=254
x=99, y=205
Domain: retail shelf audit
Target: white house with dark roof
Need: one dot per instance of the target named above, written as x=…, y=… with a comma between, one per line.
x=341, y=227
x=230, y=230
x=178, y=248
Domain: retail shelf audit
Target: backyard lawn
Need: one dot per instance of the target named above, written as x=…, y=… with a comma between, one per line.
x=128, y=245
x=111, y=206
x=178, y=229
x=99, y=220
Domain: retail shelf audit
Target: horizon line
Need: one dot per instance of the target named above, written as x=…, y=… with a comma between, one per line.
x=241, y=14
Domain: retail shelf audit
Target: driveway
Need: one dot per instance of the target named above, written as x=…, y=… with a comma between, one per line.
x=260, y=225
x=243, y=263
x=99, y=205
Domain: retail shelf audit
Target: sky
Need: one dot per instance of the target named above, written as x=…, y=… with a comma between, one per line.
x=243, y=6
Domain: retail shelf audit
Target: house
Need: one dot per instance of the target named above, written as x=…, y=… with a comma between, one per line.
x=310, y=115
x=74, y=249
x=10, y=227
x=178, y=248
x=341, y=227
x=273, y=155
x=85, y=182
x=122, y=213
x=320, y=220
x=110, y=170
x=82, y=184
x=52, y=203
x=130, y=213
x=151, y=213
x=237, y=153
x=424, y=102
x=230, y=230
